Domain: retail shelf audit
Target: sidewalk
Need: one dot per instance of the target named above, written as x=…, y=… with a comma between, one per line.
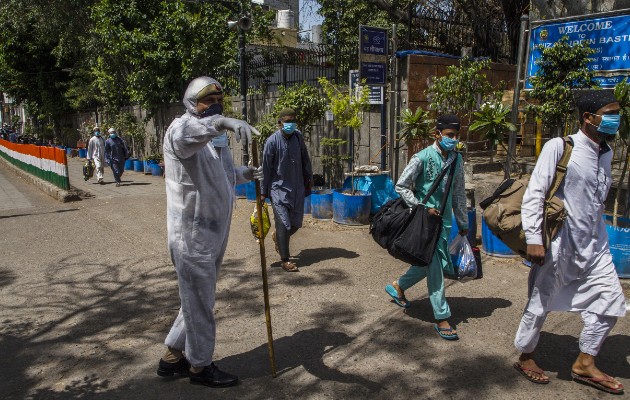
x=133, y=183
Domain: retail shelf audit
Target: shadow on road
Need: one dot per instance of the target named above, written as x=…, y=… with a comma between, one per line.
x=50, y=212
x=308, y=257
x=7, y=277
x=462, y=308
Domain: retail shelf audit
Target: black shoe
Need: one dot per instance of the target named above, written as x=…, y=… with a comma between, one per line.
x=181, y=367
x=212, y=376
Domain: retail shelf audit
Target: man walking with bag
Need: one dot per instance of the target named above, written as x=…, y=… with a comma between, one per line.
x=576, y=273
x=419, y=175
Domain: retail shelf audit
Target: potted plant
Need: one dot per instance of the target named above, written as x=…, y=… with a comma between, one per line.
x=417, y=127
x=491, y=121
x=350, y=207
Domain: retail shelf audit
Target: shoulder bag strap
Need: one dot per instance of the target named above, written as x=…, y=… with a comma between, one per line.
x=436, y=183
x=561, y=168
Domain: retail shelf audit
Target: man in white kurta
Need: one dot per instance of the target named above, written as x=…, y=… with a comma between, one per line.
x=96, y=153
x=576, y=273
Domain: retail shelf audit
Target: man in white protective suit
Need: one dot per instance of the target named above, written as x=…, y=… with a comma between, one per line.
x=200, y=178
x=576, y=273
x=96, y=153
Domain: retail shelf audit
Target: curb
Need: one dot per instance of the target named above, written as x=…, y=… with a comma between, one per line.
x=53, y=191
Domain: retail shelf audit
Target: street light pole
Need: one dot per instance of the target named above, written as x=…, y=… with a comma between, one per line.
x=243, y=84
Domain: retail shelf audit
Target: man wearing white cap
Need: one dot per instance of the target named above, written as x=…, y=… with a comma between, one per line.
x=116, y=153
x=576, y=273
x=96, y=153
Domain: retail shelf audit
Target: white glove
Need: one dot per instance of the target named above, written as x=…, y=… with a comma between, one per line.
x=240, y=128
x=252, y=173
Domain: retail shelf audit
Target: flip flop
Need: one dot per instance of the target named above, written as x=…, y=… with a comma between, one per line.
x=401, y=301
x=597, y=383
x=452, y=336
x=289, y=266
x=524, y=372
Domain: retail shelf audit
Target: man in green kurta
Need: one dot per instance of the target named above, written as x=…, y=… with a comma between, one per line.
x=416, y=180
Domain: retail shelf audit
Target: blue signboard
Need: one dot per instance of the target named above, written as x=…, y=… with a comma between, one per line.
x=373, y=40
x=609, y=36
x=376, y=92
x=373, y=73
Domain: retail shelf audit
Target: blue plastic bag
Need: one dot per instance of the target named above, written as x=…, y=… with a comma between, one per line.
x=463, y=259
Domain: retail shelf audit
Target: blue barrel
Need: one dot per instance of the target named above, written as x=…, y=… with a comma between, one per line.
x=322, y=204
x=129, y=164
x=240, y=191
x=472, y=227
x=492, y=245
x=148, y=166
x=351, y=208
x=380, y=186
x=156, y=170
x=619, y=241
x=250, y=191
x=68, y=151
x=82, y=153
x=138, y=165
x=307, y=204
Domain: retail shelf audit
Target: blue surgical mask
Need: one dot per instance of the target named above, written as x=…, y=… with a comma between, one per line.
x=289, y=127
x=97, y=133
x=610, y=124
x=447, y=143
x=220, y=141
x=113, y=135
x=214, y=109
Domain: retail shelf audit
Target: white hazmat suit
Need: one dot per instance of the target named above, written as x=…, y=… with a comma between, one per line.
x=96, y=153
x=200, y=180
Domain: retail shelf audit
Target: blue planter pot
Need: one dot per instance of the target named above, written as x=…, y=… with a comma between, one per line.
x=240, y=191
x=380, y=186
x=619, y=240
x=129, y=164
x=351, y=209
x=138, y=165
x=307, y=204
x=321, y=204
x=492, y=245
x=250, y=191
x=156, y=170
x=82, y=153
x=68, y=151
x=148, y=166
x=472, y=227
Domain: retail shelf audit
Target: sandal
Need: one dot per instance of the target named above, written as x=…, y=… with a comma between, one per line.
x=446, y=333
x=597, y=383
x=289, y=266
x=400, y=300
x=536, y=379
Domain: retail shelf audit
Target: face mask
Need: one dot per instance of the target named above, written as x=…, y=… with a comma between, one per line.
x=220, y=141
x=289, y=127
x=609, y=125
x=214, y=109
x=112, y=135
x=447, y=143
x=97, y=133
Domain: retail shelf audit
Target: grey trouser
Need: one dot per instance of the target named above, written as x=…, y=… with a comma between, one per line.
x=282, y=233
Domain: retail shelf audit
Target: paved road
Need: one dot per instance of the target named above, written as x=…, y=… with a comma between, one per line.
x=87, y=294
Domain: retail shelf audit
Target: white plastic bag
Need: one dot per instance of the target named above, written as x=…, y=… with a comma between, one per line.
x=463, y=259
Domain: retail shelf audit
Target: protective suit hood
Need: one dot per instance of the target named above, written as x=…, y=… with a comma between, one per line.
x=194, y=87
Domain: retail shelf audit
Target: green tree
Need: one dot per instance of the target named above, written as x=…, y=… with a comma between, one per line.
x=308, y=103
x=562, y=68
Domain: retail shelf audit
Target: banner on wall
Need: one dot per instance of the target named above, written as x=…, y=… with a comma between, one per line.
x=609, y=36
x=47, y=163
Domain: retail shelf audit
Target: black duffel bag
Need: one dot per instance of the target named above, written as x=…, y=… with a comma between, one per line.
x=410, y=234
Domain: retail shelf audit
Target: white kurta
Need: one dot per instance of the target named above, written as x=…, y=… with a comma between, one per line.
x=578, y=273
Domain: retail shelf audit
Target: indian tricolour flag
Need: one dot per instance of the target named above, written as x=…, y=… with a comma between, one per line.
x=47, y=163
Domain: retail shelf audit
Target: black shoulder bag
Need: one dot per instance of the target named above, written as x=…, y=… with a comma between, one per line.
x=416, y=243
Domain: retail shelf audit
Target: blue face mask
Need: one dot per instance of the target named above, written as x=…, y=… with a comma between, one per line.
x=97, y=133
x=113, y=135
x=610, y=124
x=447, y=143
x=220, y=141
x=289, y=127
x=214, y=109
